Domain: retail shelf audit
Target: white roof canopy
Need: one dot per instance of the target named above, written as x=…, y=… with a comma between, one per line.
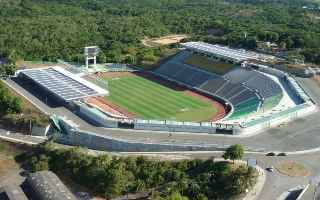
x=237, y=55
x=63, y=83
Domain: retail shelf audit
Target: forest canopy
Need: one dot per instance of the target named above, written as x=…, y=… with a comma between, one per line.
x=51, y=29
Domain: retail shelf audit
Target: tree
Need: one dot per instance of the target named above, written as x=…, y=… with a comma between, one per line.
x=234, y=152
x=102, y=58
x=9, y=104
x=177, y=196
x=7, y=70
x=16, y=105
x=39, y=164
x=13, y=57
x=115, y=176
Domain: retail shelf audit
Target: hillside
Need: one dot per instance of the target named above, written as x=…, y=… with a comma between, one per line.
x=47, y=30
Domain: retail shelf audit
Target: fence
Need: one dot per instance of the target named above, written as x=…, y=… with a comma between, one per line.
x=292, y=112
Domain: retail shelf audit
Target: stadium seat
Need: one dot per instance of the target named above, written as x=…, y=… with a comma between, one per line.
x=244, y=89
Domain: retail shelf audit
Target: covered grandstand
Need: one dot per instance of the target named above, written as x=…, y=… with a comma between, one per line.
x=244, y=90
x=61, y=83
x=226, y=53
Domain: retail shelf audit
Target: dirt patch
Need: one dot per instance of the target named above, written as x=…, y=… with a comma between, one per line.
x=6, y=165
x=291, y=168
x=113, y=74
x=298, y=66
x=166, y=40
x=9, y=168
x=32, y=65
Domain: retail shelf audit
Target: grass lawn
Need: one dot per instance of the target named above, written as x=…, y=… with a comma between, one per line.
x=150, y=100
x=291, y=168
x=205, y=63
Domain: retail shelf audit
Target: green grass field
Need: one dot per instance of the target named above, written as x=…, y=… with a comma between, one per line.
x=150, y=100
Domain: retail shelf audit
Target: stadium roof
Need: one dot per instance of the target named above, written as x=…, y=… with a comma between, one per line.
x=63, y=83
x=237, y=55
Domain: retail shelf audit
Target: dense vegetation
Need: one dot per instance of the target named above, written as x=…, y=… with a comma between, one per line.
x=9, y=104
x=51, y=29
x=16, y=113
x=114, y=176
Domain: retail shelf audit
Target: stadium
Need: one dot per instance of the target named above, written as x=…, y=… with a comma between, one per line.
x=204, y=88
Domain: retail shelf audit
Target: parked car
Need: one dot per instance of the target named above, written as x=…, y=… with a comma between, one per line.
x=271, y=154
x=270, y=169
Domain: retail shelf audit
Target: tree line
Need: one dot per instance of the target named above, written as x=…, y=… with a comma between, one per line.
x=51, y=29
x=112, y=176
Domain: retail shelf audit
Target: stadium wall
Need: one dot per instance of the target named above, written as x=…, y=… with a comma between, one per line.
x=98, y=118
x=73, y=136
x=93, y=115
x=268, y=70
x=172, y=126
x=285, y=116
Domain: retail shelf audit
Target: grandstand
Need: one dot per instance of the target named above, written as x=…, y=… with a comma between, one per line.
x=245, y=90
x=61, y=83
x=209, y=64
x=226, y=53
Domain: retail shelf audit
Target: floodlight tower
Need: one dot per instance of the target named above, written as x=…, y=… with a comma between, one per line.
x=91, y=53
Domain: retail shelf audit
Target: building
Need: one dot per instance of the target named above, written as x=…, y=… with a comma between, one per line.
x=60, y=83
x=225, y=53
x=45, y=185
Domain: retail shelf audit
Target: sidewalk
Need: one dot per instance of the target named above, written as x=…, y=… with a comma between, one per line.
x=256, y=190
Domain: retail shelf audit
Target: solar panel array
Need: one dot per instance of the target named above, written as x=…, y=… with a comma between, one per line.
x=225, y=52
x=60, y=84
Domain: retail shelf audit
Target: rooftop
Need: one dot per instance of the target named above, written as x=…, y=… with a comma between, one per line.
x=47, y=186
x=237, y=55
x=63, y=83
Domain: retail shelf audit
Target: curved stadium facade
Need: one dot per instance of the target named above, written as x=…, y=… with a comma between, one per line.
x=254, y=96
x=244, y=90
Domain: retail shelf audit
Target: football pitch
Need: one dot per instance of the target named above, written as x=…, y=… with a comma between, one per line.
x=149, y=100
